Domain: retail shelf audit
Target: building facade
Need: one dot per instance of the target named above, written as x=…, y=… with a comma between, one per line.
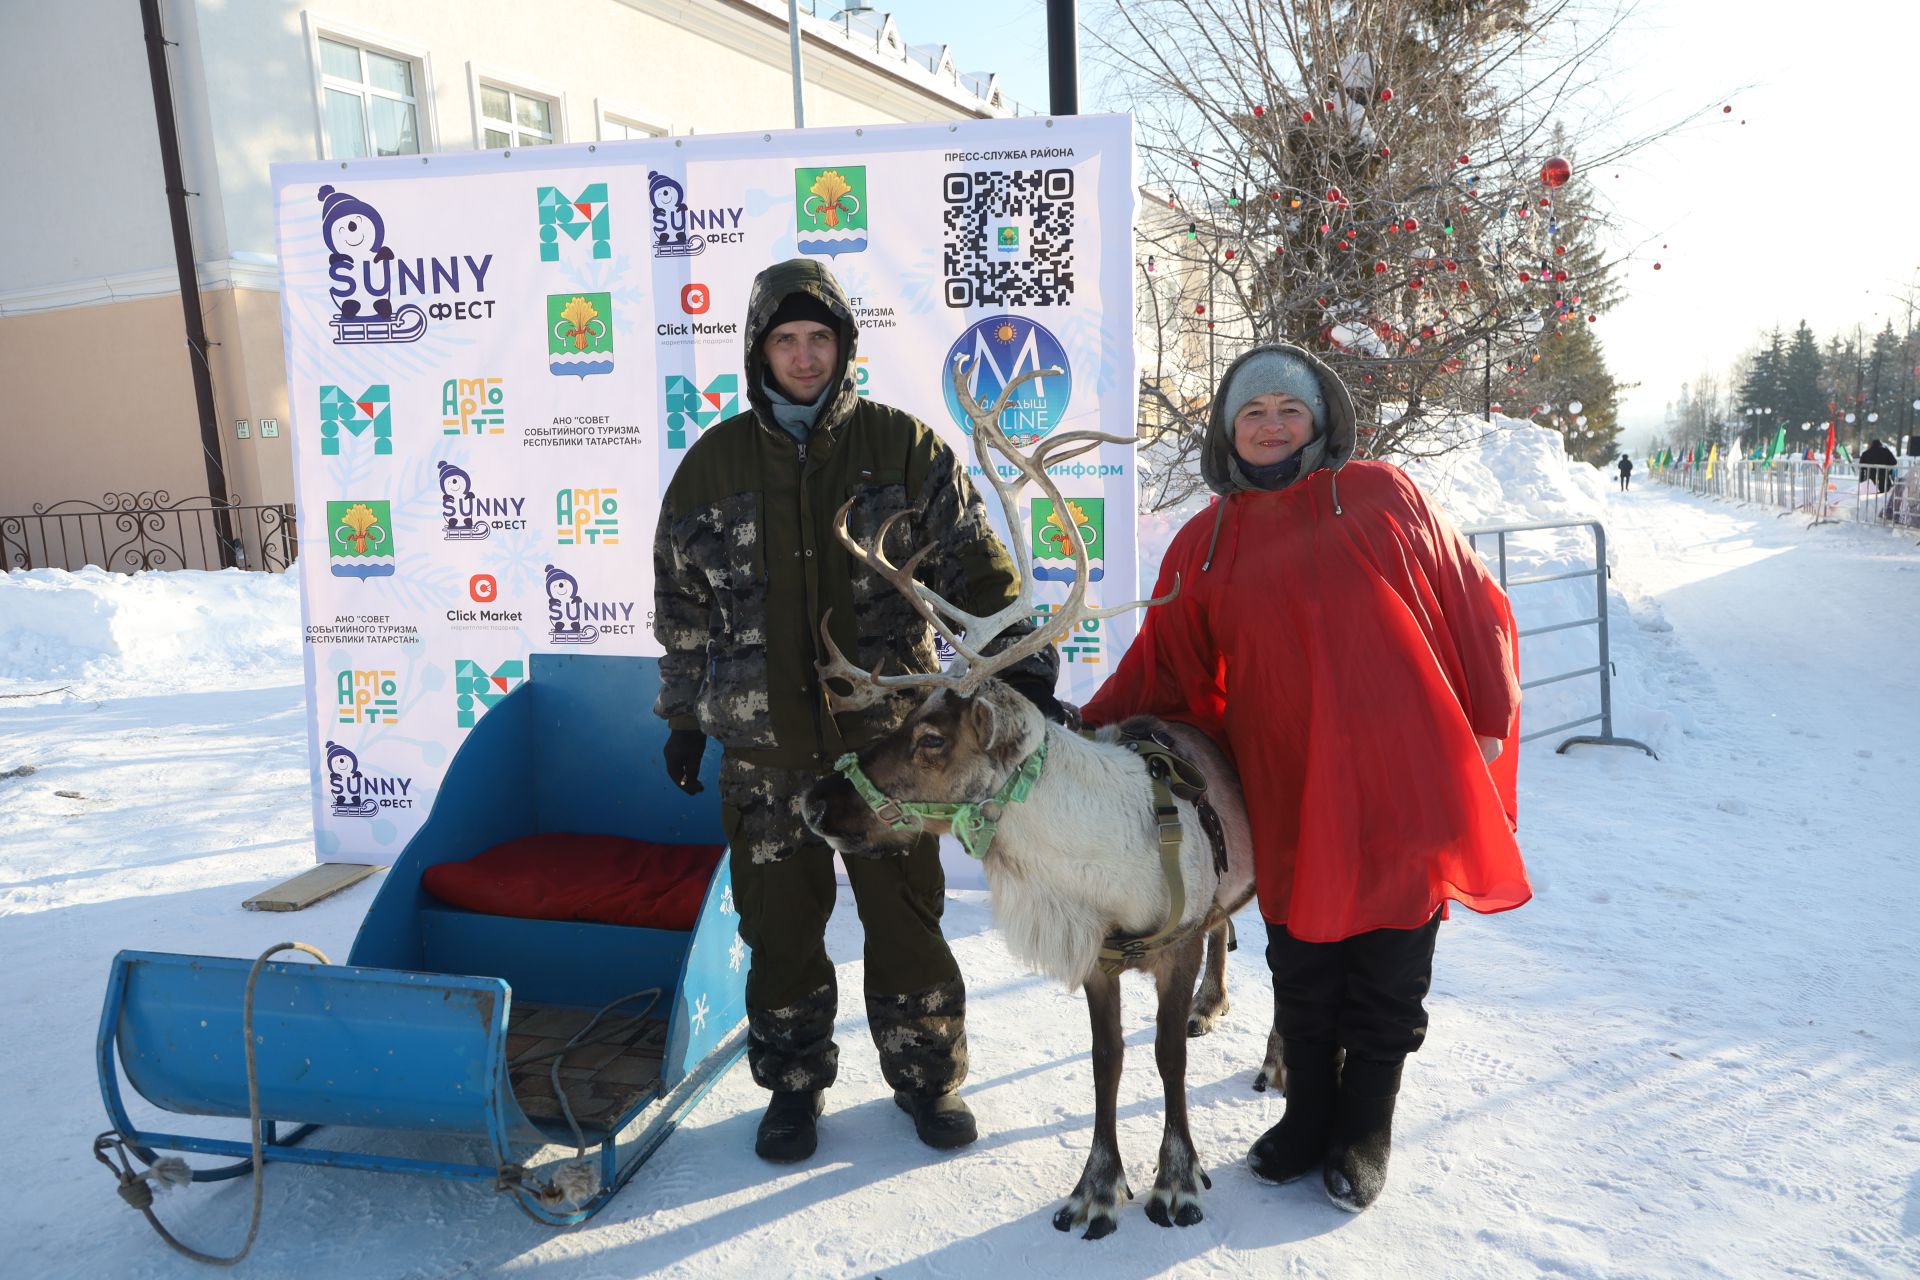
x=93, y=349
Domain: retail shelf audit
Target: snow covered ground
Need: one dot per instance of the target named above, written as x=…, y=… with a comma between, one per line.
x=1695, y=1053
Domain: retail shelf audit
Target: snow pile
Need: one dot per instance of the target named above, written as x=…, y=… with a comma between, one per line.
x=154, y=632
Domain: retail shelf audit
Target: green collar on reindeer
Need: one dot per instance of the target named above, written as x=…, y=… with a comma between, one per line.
x=974, y=822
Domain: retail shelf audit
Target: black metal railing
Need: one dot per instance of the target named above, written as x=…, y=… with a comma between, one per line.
x=128, y=532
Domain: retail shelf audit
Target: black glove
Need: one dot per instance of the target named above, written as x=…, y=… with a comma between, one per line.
x=1039, y=691
x=682, y=754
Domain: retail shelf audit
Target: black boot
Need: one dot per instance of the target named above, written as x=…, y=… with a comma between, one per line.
x=787, y=1132
x=942, y=1120
x=1363, y=1132
x=1298, y=1144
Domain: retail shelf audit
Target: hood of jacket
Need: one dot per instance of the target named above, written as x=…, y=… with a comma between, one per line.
x=1218, y=449
x=770, y=288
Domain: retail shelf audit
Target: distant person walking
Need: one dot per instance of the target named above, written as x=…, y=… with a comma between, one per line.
x=1626, y=471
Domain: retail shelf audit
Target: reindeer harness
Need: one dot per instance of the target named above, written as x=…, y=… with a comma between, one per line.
x=976, y=823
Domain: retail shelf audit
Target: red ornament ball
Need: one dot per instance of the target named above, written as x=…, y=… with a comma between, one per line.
x=1411, y=224
x=1465, y=158
x=1525, y=276
x=1656, y=266
x=1726, y=111
x=1306, y=117
x=1199, y=308
x=1416, y=283
x=1379, y=268
x=1593, y=319
x=1333, y=195
x=1386, y=95
x=1258, y=111
x=1387, y=151
x=1559, y=250
x=1555, y=172
x=1464, y=286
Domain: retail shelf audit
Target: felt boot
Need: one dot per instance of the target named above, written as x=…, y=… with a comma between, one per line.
x=942, y=1120
x=787, y=1132
x=1297, y=1145
x=1363, y=1132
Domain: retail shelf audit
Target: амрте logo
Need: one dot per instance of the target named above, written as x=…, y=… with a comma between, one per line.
x=579, y=333
x=1000, y=349
x=360, y=539
x=830, y=209
x=367, y=697
x=586, y=216
x=588, y=517
x=472, y=407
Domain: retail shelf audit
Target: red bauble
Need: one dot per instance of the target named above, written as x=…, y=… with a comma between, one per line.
x=1379, y=268
x=1386, y=151
x=1465, y=158
x=1656, y=266
x=1525, y=276
x=1230, y=258
x=1559, y=250
x=1386, y=95
x=1555, y=172
x=1452, y=265
x=1258, y=111
x=1199, y=308
x=1306, y=117
x=1333, y=195
x=1558, y=275
x=1411, y=224
x=1416, y=283
x=1464, y=286
x=1593, y=319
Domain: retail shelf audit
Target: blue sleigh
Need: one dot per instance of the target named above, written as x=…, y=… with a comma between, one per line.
x=412, y=1032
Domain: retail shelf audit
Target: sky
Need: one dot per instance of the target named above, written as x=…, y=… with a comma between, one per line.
x=1804, y=211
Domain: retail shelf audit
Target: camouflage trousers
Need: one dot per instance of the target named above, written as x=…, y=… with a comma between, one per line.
x=783, y=885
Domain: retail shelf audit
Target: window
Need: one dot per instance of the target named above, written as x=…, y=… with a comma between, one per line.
x=619, y=130
x=510, y=118
x=369, y=101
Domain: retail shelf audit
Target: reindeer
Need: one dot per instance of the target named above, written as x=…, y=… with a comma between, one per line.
x=1124, y=851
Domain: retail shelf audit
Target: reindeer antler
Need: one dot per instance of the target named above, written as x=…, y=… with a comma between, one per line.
x=969, y=634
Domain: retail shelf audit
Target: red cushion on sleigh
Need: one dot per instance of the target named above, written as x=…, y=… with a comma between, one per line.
x=563, y=876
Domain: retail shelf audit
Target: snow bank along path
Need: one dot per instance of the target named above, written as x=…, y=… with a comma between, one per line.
x=1694, y=1054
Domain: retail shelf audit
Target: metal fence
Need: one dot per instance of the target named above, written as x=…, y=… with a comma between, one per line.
x=129, y=532
x=1843, y=492
x=1603, y=664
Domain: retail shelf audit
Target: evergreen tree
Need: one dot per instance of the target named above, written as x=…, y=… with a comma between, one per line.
x=1883, y=385
x=1803, y=396
x=1572, y=369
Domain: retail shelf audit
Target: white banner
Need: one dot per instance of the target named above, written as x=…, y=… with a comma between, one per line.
x=496, y=359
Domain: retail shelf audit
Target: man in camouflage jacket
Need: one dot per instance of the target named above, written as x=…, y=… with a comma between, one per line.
x=745, y=566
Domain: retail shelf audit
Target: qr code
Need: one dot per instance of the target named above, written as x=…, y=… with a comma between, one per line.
x=1008, y=238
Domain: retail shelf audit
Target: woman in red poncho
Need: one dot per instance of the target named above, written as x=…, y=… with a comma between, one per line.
x=1345, y=643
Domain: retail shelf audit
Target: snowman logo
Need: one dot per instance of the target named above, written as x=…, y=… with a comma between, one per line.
x=457, y=505
x=360, y=264
x=669, y=214
x=347, y=784
x=566, y=611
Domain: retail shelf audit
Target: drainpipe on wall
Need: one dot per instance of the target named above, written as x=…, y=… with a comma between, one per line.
x=189, y=281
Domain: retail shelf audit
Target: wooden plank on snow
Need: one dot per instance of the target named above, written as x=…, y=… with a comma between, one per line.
x=309, y=887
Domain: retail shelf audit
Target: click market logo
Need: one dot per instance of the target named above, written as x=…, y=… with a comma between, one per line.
x=367, y=697
x=575, y=617
x=353, y=794
x=830, y=209
x=696, y=300
x=1054, y=531
x=475, y=689
x=579, y=334
x=369, y=412
x=691, y=409
x=588, y=517
x=360, y=539
x=681, y=230
x=998, y=350
x=467, y=516
x=370, y=282
x=584, y=217
x=473, y=407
